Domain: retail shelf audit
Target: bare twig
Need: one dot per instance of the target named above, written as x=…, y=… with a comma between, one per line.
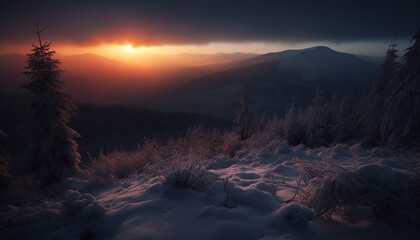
x=283, y=183
x=226, y=189
x=407, y=165
x=296, y=192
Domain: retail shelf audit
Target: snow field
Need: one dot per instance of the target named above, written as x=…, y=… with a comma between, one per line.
x=144, y=207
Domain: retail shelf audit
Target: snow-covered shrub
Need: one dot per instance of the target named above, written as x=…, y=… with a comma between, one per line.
x=269, y=137
x=83, y=205
x=341, y=151
x=183, y=171
x=207, y=143
x=76, y=183
x=118, y=164
x=316, y=168
x=293, y=214
x=86, y=208
x=231, y=144
x=332, y=193
x=387, y=193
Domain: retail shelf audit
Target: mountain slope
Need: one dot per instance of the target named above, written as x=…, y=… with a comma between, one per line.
x=276, y=80
x=312, y=64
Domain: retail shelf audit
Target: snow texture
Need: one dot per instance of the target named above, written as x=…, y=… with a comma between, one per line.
x=146, y=207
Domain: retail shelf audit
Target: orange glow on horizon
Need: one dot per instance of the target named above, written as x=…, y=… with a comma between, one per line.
x=122, y=50
x=154, y=56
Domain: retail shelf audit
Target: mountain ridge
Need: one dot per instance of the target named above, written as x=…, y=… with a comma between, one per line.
x=276, y=80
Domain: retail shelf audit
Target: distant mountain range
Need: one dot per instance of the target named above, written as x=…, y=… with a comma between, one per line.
x=207, y=83
x=190, y=59
x=96, y=79
x=275, y=80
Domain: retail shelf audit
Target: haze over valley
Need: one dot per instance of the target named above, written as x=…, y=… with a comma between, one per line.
x=207, y=83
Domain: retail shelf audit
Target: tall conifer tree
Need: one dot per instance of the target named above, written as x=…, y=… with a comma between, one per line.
x=373, y=107
x=290, y=125
x=400, y=125
x=316, y=132
x=54, y=153
x=245, y=118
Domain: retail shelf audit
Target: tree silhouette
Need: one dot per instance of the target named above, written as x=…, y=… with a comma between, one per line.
x=373, y=103
x=54, y=153
x=316, y=134
x=245, y=117
x=291, y=128
x=343, y=129
x=400, y=126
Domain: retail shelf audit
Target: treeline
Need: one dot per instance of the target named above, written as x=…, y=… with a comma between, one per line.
x=324, y=122
x=388, y=114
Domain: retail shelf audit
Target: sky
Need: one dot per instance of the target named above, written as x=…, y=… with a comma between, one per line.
x=172, y=27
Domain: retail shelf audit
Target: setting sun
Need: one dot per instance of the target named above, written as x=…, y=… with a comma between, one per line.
x=129, y=49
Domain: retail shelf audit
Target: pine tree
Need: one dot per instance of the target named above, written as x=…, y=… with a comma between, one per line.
x=400, y=125
x=245, y=117
x=331, y=117
x=263, y=122
x=316, y=133
x=54, y=153
x=343, y=129
x=373, y=107
x=5, y=176
x=290, y=127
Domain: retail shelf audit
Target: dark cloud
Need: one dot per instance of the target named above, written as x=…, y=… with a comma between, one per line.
x=178, y=22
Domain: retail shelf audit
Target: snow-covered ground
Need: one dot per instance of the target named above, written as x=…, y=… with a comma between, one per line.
x=146, y=208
